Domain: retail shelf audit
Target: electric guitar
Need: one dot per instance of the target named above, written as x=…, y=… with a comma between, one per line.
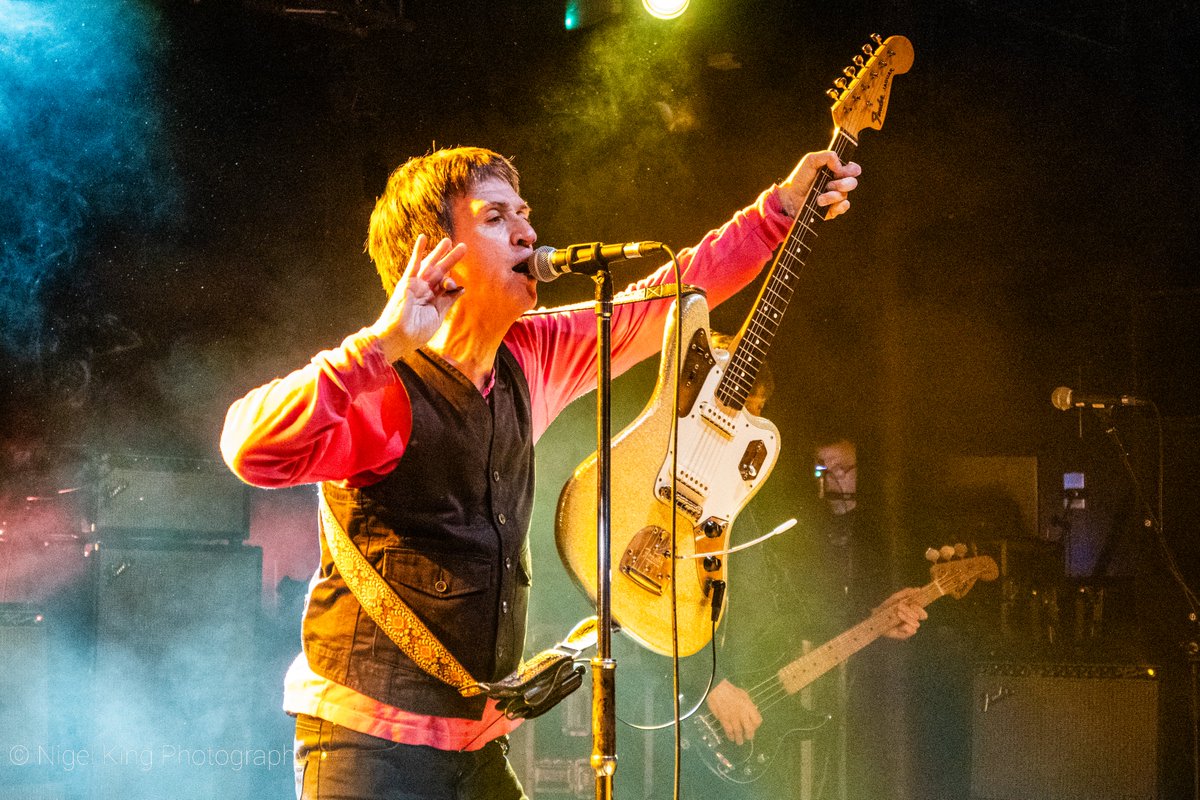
x=748, y=762
x=725, y=453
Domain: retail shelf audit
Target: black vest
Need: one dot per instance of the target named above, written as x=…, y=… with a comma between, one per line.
x=447, y=530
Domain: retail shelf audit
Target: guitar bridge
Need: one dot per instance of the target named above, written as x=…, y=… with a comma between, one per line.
x=647, y=560
x=692, y=506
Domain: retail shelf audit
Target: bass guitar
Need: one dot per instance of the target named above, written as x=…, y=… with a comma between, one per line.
x=725, y=453
x=747, y=762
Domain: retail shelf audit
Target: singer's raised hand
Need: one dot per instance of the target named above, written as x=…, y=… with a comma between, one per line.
x=422, y=297
x=794, y=190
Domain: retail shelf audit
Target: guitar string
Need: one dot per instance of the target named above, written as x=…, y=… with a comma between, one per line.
x=706, y=455
x=772, y=690
x=771, y=693
x=789, y=255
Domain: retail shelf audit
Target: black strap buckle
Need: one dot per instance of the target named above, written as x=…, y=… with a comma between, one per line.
x=540, y=683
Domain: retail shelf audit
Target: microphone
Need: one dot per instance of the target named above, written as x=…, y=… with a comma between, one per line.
x=547, y=263
x=1065, y=399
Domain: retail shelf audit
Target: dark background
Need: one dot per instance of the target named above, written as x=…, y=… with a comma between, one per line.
x=189, y=188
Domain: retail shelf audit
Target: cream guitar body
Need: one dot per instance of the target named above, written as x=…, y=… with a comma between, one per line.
x=725, y=455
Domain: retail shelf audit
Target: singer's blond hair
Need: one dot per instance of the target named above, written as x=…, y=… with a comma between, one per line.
x=418, y=198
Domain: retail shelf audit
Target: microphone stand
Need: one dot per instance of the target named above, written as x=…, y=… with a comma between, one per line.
x=1191, y=649
x=604, y=666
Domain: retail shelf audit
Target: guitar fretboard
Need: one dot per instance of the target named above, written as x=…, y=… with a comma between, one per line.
x=763, y=323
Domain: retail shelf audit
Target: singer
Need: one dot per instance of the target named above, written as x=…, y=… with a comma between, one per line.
x=420, y=429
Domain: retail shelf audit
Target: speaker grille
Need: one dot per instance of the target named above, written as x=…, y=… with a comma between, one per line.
x=1069, y=732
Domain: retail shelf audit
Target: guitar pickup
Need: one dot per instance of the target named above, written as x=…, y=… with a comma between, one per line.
x=752, y=460
x=647, y=559
x=697, y=363
x=723, y=423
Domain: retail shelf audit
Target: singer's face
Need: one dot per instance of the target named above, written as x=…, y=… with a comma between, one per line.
x=492, y=220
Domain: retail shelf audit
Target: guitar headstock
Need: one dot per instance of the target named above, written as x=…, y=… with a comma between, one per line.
x=955, y=574
x=861, y=97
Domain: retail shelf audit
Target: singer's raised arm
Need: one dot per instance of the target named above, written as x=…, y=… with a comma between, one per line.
x=557, y=351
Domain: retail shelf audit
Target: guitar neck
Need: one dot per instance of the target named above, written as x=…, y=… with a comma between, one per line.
x=806, y=669
x=760, y=328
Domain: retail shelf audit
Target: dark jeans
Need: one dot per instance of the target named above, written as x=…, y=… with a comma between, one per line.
x=335, y=763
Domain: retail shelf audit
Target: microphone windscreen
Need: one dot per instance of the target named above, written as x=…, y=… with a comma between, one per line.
x=540, y=266
x=1061, y=398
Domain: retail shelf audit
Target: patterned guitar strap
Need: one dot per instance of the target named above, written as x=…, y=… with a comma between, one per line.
x=393, y=616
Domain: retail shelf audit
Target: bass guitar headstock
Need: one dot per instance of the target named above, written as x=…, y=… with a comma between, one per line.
x=955, y=574
x=860, y=98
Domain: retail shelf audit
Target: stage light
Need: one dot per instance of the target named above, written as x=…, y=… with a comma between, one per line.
x=583, y=13
x=665, y=9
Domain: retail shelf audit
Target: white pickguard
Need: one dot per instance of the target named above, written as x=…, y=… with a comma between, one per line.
x=717, y=475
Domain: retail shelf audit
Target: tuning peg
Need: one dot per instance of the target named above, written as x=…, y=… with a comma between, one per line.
x=876, y=38
x=850, y=72
x=867, y=49
x=831, y=94
x=840, y=83
x=960, y=550
x=858, y=60
x=947, y=552
x=932, y=554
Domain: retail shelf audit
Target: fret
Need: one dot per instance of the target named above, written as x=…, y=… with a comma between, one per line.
x=777, y=292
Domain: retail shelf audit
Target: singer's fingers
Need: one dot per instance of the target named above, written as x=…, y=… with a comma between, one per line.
x=843, y=185
x=438, y=263
x=835, y=205
x=848, y=170
x=414, y=260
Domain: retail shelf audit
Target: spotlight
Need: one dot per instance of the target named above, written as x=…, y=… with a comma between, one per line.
x=584, y=13
x=665, y=9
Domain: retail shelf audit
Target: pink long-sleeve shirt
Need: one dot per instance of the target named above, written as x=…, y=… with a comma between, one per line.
x=345, y=417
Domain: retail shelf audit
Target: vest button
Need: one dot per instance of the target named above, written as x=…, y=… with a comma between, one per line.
x=503, y=606
x=503, y=519
x=496, y=475
x=440, y=586
x=508, y=563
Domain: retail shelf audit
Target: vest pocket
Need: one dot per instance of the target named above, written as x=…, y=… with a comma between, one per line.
x=447, y=591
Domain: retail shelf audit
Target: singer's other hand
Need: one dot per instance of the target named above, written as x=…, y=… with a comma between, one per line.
x=736, y=712
x=908, y=611
x=422, y=297
x=794, y=191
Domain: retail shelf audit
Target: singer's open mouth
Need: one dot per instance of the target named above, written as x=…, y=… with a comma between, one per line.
x=521, y=267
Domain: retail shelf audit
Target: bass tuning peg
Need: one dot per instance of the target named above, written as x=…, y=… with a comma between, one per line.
x=932, y=555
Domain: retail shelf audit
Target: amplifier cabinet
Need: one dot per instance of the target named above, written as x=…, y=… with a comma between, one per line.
x=24, y=681
x=152, y=497
x=1064, y=732
x=174, y=670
